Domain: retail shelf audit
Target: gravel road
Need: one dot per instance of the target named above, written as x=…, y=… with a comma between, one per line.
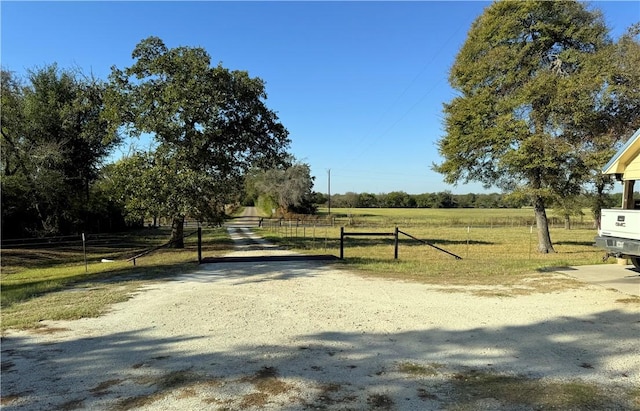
x=303, y=335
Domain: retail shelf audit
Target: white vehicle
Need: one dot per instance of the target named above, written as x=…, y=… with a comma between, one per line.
x=619, y=234
x=619, y=231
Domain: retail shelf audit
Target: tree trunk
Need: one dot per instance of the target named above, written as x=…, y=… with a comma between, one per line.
x=177, y=232
x=542, y=224
x=599, y=202
x=567, y=222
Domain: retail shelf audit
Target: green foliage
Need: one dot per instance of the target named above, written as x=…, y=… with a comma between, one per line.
x=443, y=199
x=290, y=188
x=535, y=82
x=210, y=126
x=517, y=77
x=54, y=139
x=398, y=199
x=266, y=204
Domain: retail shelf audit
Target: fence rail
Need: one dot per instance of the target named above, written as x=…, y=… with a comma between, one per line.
x=373, y=222
x=70, y=240
x=126, y=246
x=396, y=243
x=152, y=249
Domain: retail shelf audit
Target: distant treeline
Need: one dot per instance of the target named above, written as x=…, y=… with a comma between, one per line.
x=443, y=199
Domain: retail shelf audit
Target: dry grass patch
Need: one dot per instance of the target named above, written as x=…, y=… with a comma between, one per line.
x=267, y=383
x=255, y=399
x=103, y=388
x=176, y=379
x=329, y=395
x=330, y=387
x=8, y=399
x=165, y=383
x=473, y=387
x=380, y=402
x=70, y=304
x=429, y=370
x=187, y=393
x=634, y=300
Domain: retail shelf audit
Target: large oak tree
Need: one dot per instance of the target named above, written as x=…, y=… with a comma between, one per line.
x=525, y=98
x=616, y=110
x=209, y=124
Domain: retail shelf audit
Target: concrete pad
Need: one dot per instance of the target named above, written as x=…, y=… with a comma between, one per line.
x=623, y=278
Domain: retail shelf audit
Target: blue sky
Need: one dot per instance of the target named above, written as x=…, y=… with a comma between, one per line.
x=359, y=85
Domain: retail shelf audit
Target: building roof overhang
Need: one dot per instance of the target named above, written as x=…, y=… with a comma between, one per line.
x=629, y=151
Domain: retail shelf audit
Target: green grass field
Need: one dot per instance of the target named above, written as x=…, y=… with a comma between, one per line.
x=478, y=217
x=498, y=247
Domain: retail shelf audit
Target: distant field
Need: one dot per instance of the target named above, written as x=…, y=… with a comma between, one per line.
x=452, y=216
x=497, y=246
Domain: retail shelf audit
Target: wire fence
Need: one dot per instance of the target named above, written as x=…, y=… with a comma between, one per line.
x=366, y=221
x=480, y=242
x=478, y=239
x=18, y=254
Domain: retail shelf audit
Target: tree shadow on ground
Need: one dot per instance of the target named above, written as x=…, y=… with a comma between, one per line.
x=427, y=368
x=576, y=243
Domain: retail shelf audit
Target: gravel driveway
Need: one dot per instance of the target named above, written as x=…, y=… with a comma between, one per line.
x=302, y=335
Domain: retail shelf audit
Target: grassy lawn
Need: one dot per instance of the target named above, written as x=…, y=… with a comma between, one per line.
x=497, y=247
x=53, y=284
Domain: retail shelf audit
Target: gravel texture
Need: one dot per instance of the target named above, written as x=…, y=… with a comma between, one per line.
x=303, y=335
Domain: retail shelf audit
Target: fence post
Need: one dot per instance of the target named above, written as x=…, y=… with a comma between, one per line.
x=395, y=251
x=341, y=243
x=84, y=251
x=199, y=245
x=530, y=235
x=468, y=235
x=325, y=237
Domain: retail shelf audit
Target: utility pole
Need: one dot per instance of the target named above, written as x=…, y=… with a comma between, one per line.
x=329, y=189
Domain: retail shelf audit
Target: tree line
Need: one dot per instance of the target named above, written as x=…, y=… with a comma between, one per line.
x=445, y=199
x=54, y=140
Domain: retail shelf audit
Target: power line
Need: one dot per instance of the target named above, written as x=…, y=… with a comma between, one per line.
x=406, y=89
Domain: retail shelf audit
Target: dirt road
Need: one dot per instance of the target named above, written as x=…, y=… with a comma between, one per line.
x=249, y=218
x=302, y=335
